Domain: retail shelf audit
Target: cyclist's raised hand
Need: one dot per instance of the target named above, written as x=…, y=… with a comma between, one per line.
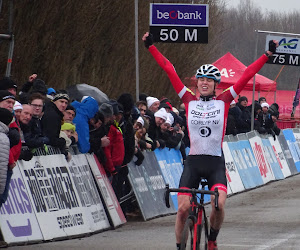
x=148, y=39
x=273, y=44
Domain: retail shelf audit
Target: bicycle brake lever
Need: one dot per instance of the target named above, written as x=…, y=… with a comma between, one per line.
x=216, y=199
x=167, y=194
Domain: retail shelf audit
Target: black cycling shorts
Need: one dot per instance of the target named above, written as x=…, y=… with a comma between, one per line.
x=209, y=167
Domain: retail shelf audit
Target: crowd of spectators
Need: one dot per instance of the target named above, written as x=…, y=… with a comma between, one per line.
x=265, y=117
x=116, y=131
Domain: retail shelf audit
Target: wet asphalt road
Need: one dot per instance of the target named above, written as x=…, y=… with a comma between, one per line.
x=267, y=217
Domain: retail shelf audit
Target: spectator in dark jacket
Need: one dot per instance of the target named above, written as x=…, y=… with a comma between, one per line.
x=52, y=120
x=34, y=137
x=98, y=138
x=242, y=115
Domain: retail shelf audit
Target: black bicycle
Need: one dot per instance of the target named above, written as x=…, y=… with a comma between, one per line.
x=195, y=232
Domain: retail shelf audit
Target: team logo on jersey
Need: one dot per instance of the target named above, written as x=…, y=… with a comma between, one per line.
x=204, y=131
x=200, y=106
x=205, y=115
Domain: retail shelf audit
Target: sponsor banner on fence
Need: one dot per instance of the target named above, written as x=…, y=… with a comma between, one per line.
x=280, y=156
x=114, y=209
x=54, y=196
x=259, y=154
x=232, y=174
x=287, y=153
x=271, y=158
x=88, y=192
x=149, y=186
x=18, y=222
x=169, y=161
x=245, y=161
x=293, y=146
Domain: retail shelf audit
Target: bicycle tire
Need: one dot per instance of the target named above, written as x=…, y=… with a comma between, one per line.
x=203, y=232
x=187, y=235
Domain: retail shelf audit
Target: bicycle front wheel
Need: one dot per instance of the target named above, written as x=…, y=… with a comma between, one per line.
x=189, y=233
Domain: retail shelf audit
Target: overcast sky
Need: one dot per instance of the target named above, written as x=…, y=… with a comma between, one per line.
x=277, y=5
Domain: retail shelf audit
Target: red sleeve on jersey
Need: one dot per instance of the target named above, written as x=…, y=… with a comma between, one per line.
x=168, y=67
x=249, y=73
x=226, y=96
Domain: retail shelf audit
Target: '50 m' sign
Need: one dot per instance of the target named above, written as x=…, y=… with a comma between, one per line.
x=179, y=23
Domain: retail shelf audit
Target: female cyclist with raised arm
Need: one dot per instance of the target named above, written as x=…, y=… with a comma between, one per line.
x=206, y=121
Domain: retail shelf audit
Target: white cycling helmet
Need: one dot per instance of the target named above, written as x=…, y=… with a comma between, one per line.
x=209, y=71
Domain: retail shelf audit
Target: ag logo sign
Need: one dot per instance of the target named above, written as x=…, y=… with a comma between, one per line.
x=288, y=51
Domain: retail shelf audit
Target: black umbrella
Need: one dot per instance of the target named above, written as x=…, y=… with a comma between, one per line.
x=76, y=92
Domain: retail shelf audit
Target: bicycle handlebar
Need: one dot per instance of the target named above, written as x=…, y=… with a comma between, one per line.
x=191, y=191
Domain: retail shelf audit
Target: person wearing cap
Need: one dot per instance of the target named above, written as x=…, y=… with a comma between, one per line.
x=170, y=134
x=7, y=101
x=67, y=132
x=51, y=93
x=98, y=134
x=52, y=119
x=152, y=104
x=69, y=113
x=206, y=122
x=115, y=152
x=115, y=140
x=85, y=110
x=5, y=119
x=154, y=131
x=7, y=84
x=261, y=100
x=17, y=109
x=33, y=85
x=242, y=115
x=232, y=104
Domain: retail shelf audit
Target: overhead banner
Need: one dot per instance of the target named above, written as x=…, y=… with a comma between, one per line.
x=170, y=165
x=280, y=156
x=293, y=146
x=88, y=192
x=259, y=154
x=114, y=209
x=18, y=222
x=149, y=187
x=54, y=196
x=232, y=174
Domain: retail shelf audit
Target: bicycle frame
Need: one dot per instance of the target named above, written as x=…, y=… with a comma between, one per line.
x=197, y=210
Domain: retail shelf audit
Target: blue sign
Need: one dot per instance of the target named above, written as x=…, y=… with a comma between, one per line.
x=271, y=158
x=293, y=146
x=195, y=15
x=242, y=166
x=169, y=161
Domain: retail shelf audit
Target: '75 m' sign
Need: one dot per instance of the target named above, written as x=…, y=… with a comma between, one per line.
x=288, y=51
x=179, y=23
